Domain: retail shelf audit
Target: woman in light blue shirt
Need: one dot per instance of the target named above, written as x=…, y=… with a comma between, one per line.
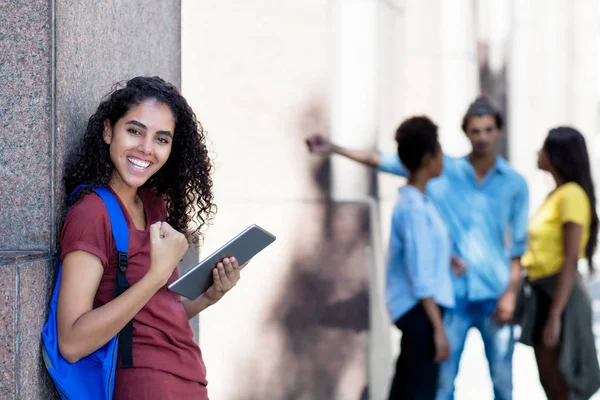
x=418, y=283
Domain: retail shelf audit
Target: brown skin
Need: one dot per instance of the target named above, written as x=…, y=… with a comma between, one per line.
x=547, y=354
x=505, y=306
x=320, y=144
x=483, y=134
x=432, y=167
x=82, y=329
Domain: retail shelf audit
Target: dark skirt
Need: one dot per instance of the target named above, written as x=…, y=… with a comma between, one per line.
x=543, y=304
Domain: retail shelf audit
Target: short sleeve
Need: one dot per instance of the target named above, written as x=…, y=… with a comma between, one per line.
x=87, y=228
x=574, y=205
x=519, y=215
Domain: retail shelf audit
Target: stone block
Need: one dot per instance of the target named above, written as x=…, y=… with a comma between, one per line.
x=25, y=124
x=36, y=281
x=8, y=351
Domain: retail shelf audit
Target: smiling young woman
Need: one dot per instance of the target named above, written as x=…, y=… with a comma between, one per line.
x=140, y=143
x=145, y=145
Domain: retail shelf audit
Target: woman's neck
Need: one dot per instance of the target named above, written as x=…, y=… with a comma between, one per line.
x=419, y=180
x=127, y=195
x=557, y=178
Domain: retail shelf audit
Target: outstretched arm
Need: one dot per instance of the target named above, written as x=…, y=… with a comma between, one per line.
x=319, y=144
x=386, y=162
x=83, y=329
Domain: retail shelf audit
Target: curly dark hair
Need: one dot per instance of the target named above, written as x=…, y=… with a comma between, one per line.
x=416, y=137
x=184, y=181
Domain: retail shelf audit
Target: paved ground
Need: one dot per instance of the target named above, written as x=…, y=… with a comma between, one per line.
x=474, y=382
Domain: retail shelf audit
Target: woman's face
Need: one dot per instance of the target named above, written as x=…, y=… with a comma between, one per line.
x=543, y=161
x=140, y=142
x=434, y=163
x=437, y=164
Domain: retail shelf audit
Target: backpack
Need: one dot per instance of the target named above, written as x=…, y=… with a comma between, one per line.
x=92, y=377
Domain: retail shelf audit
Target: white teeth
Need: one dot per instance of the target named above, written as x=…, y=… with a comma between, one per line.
x=138, y=163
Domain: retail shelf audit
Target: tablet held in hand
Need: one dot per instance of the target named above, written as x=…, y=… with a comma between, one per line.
x=243, y=247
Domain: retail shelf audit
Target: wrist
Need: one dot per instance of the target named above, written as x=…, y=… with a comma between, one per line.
x=511, y=291
x=207, y=299
x=335, y=149
x=554, y=315
x=438, y=329
x=155, y=278
x=438, y=326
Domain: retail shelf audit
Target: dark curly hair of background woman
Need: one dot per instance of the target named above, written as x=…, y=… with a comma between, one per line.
x=184, y=181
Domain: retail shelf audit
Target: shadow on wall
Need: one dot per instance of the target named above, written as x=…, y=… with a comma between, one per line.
x=324, y=313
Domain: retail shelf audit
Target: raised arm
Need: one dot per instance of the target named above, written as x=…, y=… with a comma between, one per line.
x=83, y=329
x=386, y=162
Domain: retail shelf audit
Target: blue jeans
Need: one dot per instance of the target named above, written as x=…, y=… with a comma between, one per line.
x=498, y=341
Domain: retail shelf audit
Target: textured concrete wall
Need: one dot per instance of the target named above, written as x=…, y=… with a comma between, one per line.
x=53, y=74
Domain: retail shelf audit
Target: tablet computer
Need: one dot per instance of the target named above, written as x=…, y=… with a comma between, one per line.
x=243, y=247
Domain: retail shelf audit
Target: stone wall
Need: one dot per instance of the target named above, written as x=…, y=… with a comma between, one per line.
x=58, y=59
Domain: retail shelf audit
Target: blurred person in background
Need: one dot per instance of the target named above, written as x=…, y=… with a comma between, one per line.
x=418, y=279
x=556, y=311
x=482, y=200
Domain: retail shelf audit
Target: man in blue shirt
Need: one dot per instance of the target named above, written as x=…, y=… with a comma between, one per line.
x=484, y=203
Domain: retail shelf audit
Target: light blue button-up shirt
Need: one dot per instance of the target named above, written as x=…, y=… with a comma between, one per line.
x=487, y=220
x=419, y=254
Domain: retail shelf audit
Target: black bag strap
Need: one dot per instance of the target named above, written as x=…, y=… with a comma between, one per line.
x=120, y=233
x=126, y=335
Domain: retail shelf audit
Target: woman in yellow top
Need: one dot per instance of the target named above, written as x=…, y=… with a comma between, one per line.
x=563, y=230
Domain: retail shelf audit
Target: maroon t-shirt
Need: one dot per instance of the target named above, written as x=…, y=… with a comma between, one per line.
x=162, y=336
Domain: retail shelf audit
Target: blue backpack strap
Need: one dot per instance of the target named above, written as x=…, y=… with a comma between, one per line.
x=118, y=224
x=120, y=233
